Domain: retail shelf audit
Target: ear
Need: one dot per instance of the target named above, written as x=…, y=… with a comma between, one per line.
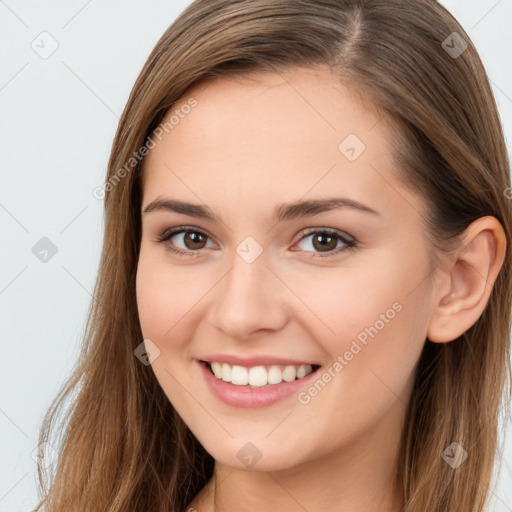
x=464, y=283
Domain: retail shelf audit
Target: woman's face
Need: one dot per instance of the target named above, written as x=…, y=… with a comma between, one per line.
x=261, y=286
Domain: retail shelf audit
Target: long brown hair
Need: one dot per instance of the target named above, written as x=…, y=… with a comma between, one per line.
x=123, y=447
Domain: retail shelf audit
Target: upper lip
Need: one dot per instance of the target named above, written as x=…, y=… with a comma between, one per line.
x=254, y=360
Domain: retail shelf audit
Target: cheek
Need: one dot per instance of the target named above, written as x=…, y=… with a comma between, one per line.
x=373, y=321
x=164, y=297
x=343, y=302
x=164, y=300
x=380, y=318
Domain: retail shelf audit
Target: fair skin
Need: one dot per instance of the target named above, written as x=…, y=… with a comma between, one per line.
x=247, y=147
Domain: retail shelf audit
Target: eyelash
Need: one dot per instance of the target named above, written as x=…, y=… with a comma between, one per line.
x=349, y=243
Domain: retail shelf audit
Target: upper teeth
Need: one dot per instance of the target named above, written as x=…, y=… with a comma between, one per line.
x=259, y=375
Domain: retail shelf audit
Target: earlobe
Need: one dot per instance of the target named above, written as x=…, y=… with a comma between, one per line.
x=469, y=277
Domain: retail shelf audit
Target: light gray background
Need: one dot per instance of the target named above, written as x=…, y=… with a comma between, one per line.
x=58, y=119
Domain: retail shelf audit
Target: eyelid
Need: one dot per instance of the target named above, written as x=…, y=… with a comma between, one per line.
x=331, y=231
x=167, y=233
x=348, y=240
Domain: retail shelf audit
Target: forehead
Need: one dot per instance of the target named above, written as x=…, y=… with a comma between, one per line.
x=297, y=103
x=272, y=137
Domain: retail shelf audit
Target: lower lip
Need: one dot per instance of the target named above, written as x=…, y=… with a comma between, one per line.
x=241, y=396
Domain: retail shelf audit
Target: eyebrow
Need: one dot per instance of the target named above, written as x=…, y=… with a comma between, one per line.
x=284, y=211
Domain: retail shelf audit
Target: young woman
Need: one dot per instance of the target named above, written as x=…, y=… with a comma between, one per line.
x=305, y=286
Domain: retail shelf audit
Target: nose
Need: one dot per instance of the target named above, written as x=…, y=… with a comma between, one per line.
x=250, y=299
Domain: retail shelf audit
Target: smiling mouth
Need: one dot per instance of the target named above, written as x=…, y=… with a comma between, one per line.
x=259, y=376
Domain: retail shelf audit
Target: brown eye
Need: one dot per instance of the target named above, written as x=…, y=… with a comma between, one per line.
x=193, y=240
x=185, y=241
x=326, y=242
